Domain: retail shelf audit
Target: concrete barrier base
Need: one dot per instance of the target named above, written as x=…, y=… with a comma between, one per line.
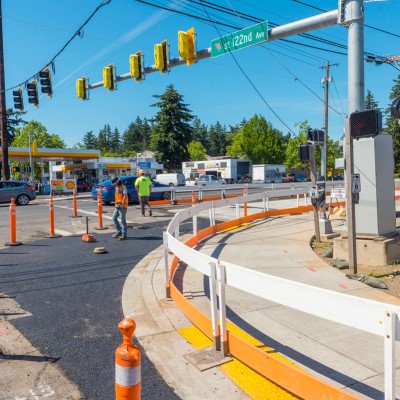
x=371, y=251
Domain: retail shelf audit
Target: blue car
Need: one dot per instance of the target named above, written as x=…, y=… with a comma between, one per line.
x=108, y=190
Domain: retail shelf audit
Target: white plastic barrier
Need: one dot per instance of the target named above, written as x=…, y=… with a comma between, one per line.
x=367, y=315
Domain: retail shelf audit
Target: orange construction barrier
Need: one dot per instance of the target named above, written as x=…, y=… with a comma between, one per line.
x=127, y=364
x=245, y=204
x=100, y=210
x=13, y=225
x=193, y=199
x=51, y=212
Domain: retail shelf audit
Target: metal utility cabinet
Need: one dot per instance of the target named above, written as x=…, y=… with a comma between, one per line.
x=373, y=160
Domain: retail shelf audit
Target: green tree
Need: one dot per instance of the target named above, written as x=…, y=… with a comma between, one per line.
x=259, y=142
x=292, y=150
x=200, y=133
x=370, y=101
x=34, y=131
x=89, y=141
x=104, y=139
x=172, y=132
x=392, y=125
x=14, y=120
x=217, y=140
x=197, y=151
x=132, y=138
x=115, y=142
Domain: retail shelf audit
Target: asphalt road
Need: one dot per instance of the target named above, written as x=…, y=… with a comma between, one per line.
x=74, y=295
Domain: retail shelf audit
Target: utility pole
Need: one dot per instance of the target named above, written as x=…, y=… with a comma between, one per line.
x=5, y=171
x=313, y=177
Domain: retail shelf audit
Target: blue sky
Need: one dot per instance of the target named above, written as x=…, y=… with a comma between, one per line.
x=215, y=89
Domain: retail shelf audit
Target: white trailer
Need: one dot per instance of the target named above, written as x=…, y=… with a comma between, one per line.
x=230, y=169
x=268, y=173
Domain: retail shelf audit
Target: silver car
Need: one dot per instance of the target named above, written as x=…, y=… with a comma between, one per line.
x=22, y=192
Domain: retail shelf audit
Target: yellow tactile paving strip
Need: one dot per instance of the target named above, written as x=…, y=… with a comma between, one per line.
x=253, y=384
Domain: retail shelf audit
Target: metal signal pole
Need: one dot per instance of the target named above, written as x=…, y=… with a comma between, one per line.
x=5, y=171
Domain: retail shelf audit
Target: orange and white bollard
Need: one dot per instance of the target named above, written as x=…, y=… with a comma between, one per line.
x=51, y=213
x=13, y=225
x=127, y=364
x=100, y=210
x=245, y=204
x=75, y=205
x=193, y=199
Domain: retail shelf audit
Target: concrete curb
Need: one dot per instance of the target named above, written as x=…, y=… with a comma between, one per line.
x=157, y=319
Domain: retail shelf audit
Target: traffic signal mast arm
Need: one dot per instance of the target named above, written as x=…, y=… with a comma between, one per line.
x=326, y=19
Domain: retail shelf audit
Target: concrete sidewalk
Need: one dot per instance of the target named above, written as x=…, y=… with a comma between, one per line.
x=344, y=357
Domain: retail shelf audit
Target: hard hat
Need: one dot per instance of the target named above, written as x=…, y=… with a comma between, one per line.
x=141, y=172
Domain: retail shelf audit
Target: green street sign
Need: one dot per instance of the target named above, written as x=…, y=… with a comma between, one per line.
x=238, y=40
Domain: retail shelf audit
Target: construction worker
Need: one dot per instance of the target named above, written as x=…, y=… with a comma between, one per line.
x=121, y=207
x=143, y=186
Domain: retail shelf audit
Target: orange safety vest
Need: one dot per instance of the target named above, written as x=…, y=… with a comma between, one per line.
x=119, y=196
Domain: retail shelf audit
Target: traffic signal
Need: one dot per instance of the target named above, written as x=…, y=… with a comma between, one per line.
x=108, y=77
x=81, y=91
x=316, y=136
x=395, y=108
x=18, y=101
x=304, y=153
x=33, y=93
x=135, y=64
x=161, y=56
x=365, y=123
x=15, y=169
x=186, y=46
x=45, y=82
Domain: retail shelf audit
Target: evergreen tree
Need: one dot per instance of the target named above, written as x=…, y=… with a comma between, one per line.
x=200, y=133
x=370, y=101
x=392, y=125
x=115, y=144
x=103, y=139
x=89, y=141
x=172, y=132
x=132, y=138
x=217, y=140
x=146, y=133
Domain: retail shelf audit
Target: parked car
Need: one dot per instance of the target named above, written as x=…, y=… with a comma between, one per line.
x=22, y=192
x=81, y=185
x=286, y=178
x=300, y=178
x=206, y=180
x=108, y=190
x=338, y=177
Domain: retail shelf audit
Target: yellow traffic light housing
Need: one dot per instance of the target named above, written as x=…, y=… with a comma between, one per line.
x=186, y=46
x=161, y=56
x=108, y=77
x=136, y=65
x=81, y=91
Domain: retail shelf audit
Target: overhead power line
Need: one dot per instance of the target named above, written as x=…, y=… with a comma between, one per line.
x=77, y=33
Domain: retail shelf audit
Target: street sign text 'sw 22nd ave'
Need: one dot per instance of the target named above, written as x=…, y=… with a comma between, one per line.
x=238, y=40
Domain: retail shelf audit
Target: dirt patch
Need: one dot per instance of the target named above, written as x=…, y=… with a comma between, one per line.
x=389, y=274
